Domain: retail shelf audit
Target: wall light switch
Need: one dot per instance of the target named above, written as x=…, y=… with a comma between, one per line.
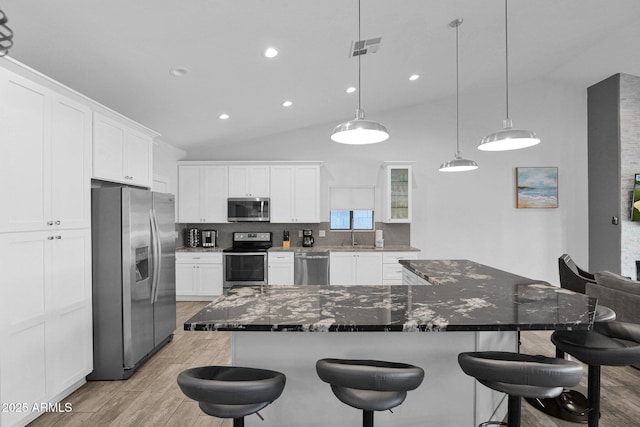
x=322, y=233
x=299, y=233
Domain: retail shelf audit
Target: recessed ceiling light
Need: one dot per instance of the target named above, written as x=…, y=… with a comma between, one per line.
x=287, y=103
x=271, y=52
x=178, y=71
x=413, y=77
x=223, y=116
x=350, y=89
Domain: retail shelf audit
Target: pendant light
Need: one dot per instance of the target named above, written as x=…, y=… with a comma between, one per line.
x=458, y=164
x=508, y=138
x=359, y=130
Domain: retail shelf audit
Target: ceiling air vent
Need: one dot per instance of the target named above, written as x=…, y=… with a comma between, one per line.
x=362, y=47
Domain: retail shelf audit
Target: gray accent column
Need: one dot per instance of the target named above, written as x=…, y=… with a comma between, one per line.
x=614, y=158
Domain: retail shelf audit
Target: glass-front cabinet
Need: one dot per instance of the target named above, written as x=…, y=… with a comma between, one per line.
x=397, y=192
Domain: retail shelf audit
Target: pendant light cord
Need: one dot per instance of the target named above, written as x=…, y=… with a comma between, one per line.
x=457, y=96
x=506, y=56
x=359, y=73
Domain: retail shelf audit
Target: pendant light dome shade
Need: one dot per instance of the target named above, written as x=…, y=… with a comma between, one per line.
x=458, y=164
x=359, y=131
x=508, y=139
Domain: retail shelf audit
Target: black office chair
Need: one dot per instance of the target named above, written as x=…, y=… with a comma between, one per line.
x=573, y=277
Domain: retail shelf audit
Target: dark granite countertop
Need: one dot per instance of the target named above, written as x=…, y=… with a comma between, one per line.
x=479, y=299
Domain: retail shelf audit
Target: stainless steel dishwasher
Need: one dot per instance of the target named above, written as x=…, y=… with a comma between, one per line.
x=311, y=268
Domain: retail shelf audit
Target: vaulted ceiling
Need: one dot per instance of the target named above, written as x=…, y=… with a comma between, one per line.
x=120, y=53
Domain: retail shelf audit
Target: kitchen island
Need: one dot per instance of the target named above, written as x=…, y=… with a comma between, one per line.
x=480, y=309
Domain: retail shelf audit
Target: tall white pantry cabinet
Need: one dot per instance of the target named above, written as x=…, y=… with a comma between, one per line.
x=45, y=246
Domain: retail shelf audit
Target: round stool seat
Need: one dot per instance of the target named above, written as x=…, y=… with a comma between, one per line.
x=610, y=344
x=231, y=391
x=604, y=314
x=370, y=385
x=521, y=374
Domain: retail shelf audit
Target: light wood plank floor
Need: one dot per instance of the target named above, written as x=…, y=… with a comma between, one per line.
x=151, y=397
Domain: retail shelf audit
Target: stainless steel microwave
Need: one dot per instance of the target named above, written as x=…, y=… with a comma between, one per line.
x=248, y=209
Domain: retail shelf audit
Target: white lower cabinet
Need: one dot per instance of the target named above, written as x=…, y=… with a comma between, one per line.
x=355, y=268
x=198, y=275
x=280, y=268
x=391, y=267
x=45, y=318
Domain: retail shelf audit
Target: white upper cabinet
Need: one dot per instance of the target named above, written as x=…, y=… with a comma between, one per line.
x=397, y=192
x=249, y=180
x=121, y=154
x=295, y=193
x=202, y=194
x=45, y=154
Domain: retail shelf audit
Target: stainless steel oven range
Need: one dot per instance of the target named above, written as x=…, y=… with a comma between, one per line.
x=246, y=262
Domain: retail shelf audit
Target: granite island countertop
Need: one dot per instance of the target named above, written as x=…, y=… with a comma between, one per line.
x=480, y=299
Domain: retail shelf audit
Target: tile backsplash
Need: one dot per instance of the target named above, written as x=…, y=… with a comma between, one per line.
x=394, y=234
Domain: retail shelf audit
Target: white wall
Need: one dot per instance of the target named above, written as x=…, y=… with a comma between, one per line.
x=466, y=215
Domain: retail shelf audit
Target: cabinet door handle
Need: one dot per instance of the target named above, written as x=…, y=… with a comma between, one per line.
x=49, y=237
x=57, y=222
x=58, y=237
x=49, y=222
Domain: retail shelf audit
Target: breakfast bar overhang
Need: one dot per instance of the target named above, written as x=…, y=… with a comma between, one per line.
x=288, y=328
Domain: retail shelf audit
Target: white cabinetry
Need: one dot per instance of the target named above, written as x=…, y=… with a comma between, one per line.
x=397, y=192
x=280, y=268
x=202, y=194
x=392, y=269
x=249, y=180
x=198, y=275
x=355, y=268
x=295, y=193
x=45, y=316
x=45, y=156
x=120, y=153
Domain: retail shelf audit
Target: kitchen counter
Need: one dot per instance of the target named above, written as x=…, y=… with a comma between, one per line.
x=460, y=271
x=472, y=307
x=469, y=297
x=357, y=248
x=198, y=249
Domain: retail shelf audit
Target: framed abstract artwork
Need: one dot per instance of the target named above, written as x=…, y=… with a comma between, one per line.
x=537, y=187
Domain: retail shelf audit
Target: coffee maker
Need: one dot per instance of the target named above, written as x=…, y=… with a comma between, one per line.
x=307, y=238
x=209, y=238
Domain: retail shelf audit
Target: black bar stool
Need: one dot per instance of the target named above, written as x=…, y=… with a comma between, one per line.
x=610, y=344
x=369, y=385
x=231, y=391
x=572, y=405
x=520, y=375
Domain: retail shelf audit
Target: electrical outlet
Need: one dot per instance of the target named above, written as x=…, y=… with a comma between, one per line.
x=299, y=233
x=322, y=233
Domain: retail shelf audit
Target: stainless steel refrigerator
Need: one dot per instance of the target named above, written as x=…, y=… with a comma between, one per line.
x=134, y=290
